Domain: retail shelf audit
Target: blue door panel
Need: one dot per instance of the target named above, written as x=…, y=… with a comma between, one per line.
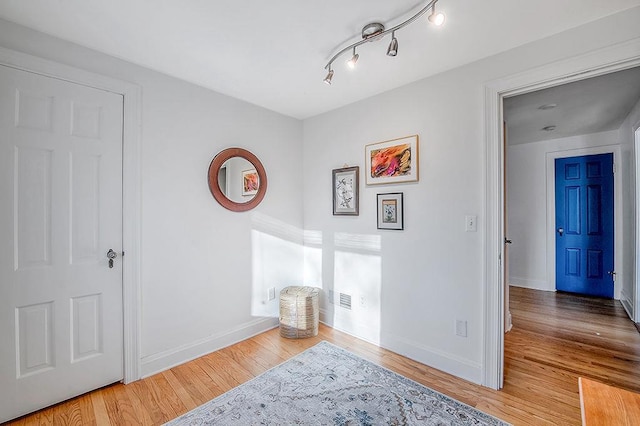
x=594, y=210
x=594, y=169
x=594, y=264
x=573, y=262
x=572, y=214
x=584, y=223
x=571, y=171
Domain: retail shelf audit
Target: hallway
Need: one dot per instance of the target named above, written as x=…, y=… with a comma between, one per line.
x=558, y=337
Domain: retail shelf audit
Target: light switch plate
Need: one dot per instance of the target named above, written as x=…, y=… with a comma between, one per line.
x=470, y=223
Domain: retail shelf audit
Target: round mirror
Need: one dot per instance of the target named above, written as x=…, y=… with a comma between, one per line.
x=237, y=179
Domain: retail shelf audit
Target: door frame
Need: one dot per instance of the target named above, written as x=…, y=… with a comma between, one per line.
x=601, y=61
x=636, y=261
x=617, y=211
x=131, y=187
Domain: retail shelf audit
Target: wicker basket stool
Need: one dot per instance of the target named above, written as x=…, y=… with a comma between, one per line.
x=299, y=312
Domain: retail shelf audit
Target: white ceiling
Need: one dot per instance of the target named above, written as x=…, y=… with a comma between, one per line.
x=273, y=53
x=587, y=106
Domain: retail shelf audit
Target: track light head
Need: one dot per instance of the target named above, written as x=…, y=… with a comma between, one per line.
x=392, y=50
x=329, y=76
x=351, y=63
x=436, y=18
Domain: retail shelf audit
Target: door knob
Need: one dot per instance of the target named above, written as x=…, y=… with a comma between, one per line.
x=507, y=241
x=561, y=231
x=111, y=255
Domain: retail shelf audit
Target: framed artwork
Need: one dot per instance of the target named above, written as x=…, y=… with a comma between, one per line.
x=390, y=211
x=250, y=182
x=392, y=161
x=345, y=191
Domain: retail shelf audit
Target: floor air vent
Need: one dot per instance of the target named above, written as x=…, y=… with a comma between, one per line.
x=345, y=301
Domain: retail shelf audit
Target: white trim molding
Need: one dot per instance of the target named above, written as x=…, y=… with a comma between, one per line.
x=165, y=360
x=530, y=283
x=602, y=61
x=131, y=197
x=441, y=360
x=436, y=358
x=634, y=303
x=493, y=324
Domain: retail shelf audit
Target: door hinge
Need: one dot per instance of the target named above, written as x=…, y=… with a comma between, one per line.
x=614, y=168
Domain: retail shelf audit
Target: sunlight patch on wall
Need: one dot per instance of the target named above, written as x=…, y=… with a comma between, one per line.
x=358, y=273
x=358, y=241
x=313, y=259
x=277, y=258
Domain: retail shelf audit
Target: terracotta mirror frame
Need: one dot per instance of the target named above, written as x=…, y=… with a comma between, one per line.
x=214, y=187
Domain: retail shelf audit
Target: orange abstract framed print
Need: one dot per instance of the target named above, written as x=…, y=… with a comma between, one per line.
x=250, y=182
x=392, y=161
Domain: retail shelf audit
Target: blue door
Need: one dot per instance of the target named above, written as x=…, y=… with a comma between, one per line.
x=584, y=225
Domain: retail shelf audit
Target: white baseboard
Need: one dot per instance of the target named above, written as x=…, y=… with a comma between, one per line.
x=452, y=364
x=358, y=329
x=627, y=304
x=161, y=361
x=532, y=284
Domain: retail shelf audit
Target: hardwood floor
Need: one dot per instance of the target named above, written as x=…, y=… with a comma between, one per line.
x=555, y=339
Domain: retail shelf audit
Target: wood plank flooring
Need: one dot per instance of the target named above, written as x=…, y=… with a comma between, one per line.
x=555, y=339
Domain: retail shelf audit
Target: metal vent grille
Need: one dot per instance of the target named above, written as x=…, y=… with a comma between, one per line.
x=345, y=301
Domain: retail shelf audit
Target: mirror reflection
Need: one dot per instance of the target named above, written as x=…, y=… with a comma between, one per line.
x=238, y=180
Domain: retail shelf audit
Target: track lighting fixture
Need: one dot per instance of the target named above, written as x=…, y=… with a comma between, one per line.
x=375, y=31
x=392, y=50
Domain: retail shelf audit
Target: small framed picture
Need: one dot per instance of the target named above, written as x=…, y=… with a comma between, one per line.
x=392, y=161
x=390, y=211
x=345, y=191
x=250, y=182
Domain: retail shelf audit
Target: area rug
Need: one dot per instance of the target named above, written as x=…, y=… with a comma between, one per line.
x=327, y=385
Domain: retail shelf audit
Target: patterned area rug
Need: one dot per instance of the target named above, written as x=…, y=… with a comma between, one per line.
x=326, y=385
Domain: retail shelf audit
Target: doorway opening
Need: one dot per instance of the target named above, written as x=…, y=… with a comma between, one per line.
x=605, y=61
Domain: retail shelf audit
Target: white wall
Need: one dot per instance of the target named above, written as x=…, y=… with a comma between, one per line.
x=204, y=270
x=627, y=130
x=418, y=282
x=527, y=204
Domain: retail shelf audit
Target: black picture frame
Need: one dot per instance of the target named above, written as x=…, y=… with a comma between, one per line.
x=390, y=208
x=346, y=191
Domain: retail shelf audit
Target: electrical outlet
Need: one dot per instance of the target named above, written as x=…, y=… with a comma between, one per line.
x=363, y=302
x=461, y=328
x=271, y=293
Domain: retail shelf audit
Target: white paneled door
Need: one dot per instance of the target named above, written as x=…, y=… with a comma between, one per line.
x=60, y=213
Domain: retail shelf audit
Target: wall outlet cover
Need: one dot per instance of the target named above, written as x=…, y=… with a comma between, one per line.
x=461, y=328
